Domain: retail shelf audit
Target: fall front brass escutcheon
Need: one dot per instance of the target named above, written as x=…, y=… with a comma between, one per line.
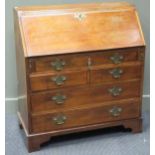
x=115, y=111
x=80, y=15
x=116, y=72
x=59, y=99
x=116, y=58
x=59, y=80
x=60, y=119
x=115, y=91
x=58, y=64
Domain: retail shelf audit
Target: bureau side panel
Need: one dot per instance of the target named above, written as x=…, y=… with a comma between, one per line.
x=21, y=75
x=142, y=59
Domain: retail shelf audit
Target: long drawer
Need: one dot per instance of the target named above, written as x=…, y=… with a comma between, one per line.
x=85, y=116
x=50, y=81
x=76, y=97
x=74, y=62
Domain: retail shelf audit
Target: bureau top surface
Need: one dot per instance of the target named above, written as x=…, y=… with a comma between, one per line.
x=70, y=28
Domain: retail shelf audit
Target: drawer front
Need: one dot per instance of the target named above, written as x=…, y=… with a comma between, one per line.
x=77, y=97
x=116, y=74
x=114, y=56
x=85, y=116
x=75, y=62
x=58, y=63
x=50, y=81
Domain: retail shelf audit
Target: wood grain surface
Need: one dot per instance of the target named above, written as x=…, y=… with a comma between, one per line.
x=61, y=31
x=85, y=116
x=80, y=67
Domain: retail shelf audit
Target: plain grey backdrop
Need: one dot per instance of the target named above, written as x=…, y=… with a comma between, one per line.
x=143, y=7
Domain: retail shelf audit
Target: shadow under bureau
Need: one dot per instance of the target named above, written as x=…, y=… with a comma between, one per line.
x=80, y=67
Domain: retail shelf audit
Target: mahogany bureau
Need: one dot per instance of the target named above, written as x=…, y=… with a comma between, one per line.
x=80, y=67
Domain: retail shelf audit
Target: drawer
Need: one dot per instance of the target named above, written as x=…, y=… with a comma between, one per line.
x=49, y=81
x=58, y=63
x=85, y=116
x=115, y=74
x=114, y=56
x=84, y=96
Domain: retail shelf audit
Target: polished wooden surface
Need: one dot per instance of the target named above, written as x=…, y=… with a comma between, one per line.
x=75, y=61
x=108, y=6
x=101, y=58
x=45, y=81
x=80, y=67
x=72, y=62
x=22, y=90
x=85, y=116
x=104, y=75
x=84, y=96
x=59, y=31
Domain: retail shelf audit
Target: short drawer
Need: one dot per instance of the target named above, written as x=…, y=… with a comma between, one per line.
x=60, y=99
x=85, y=116
x=49, y=81
x=115, y=74
x=58, y=63
x=114, y=56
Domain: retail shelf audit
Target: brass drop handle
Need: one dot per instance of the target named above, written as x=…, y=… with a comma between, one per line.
x=116, y=72
x=60, y=119
x=59, y=99
x=115, y=91
x=59, y=80
x=58, y=64
x=117, y=58
x=115, y=111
